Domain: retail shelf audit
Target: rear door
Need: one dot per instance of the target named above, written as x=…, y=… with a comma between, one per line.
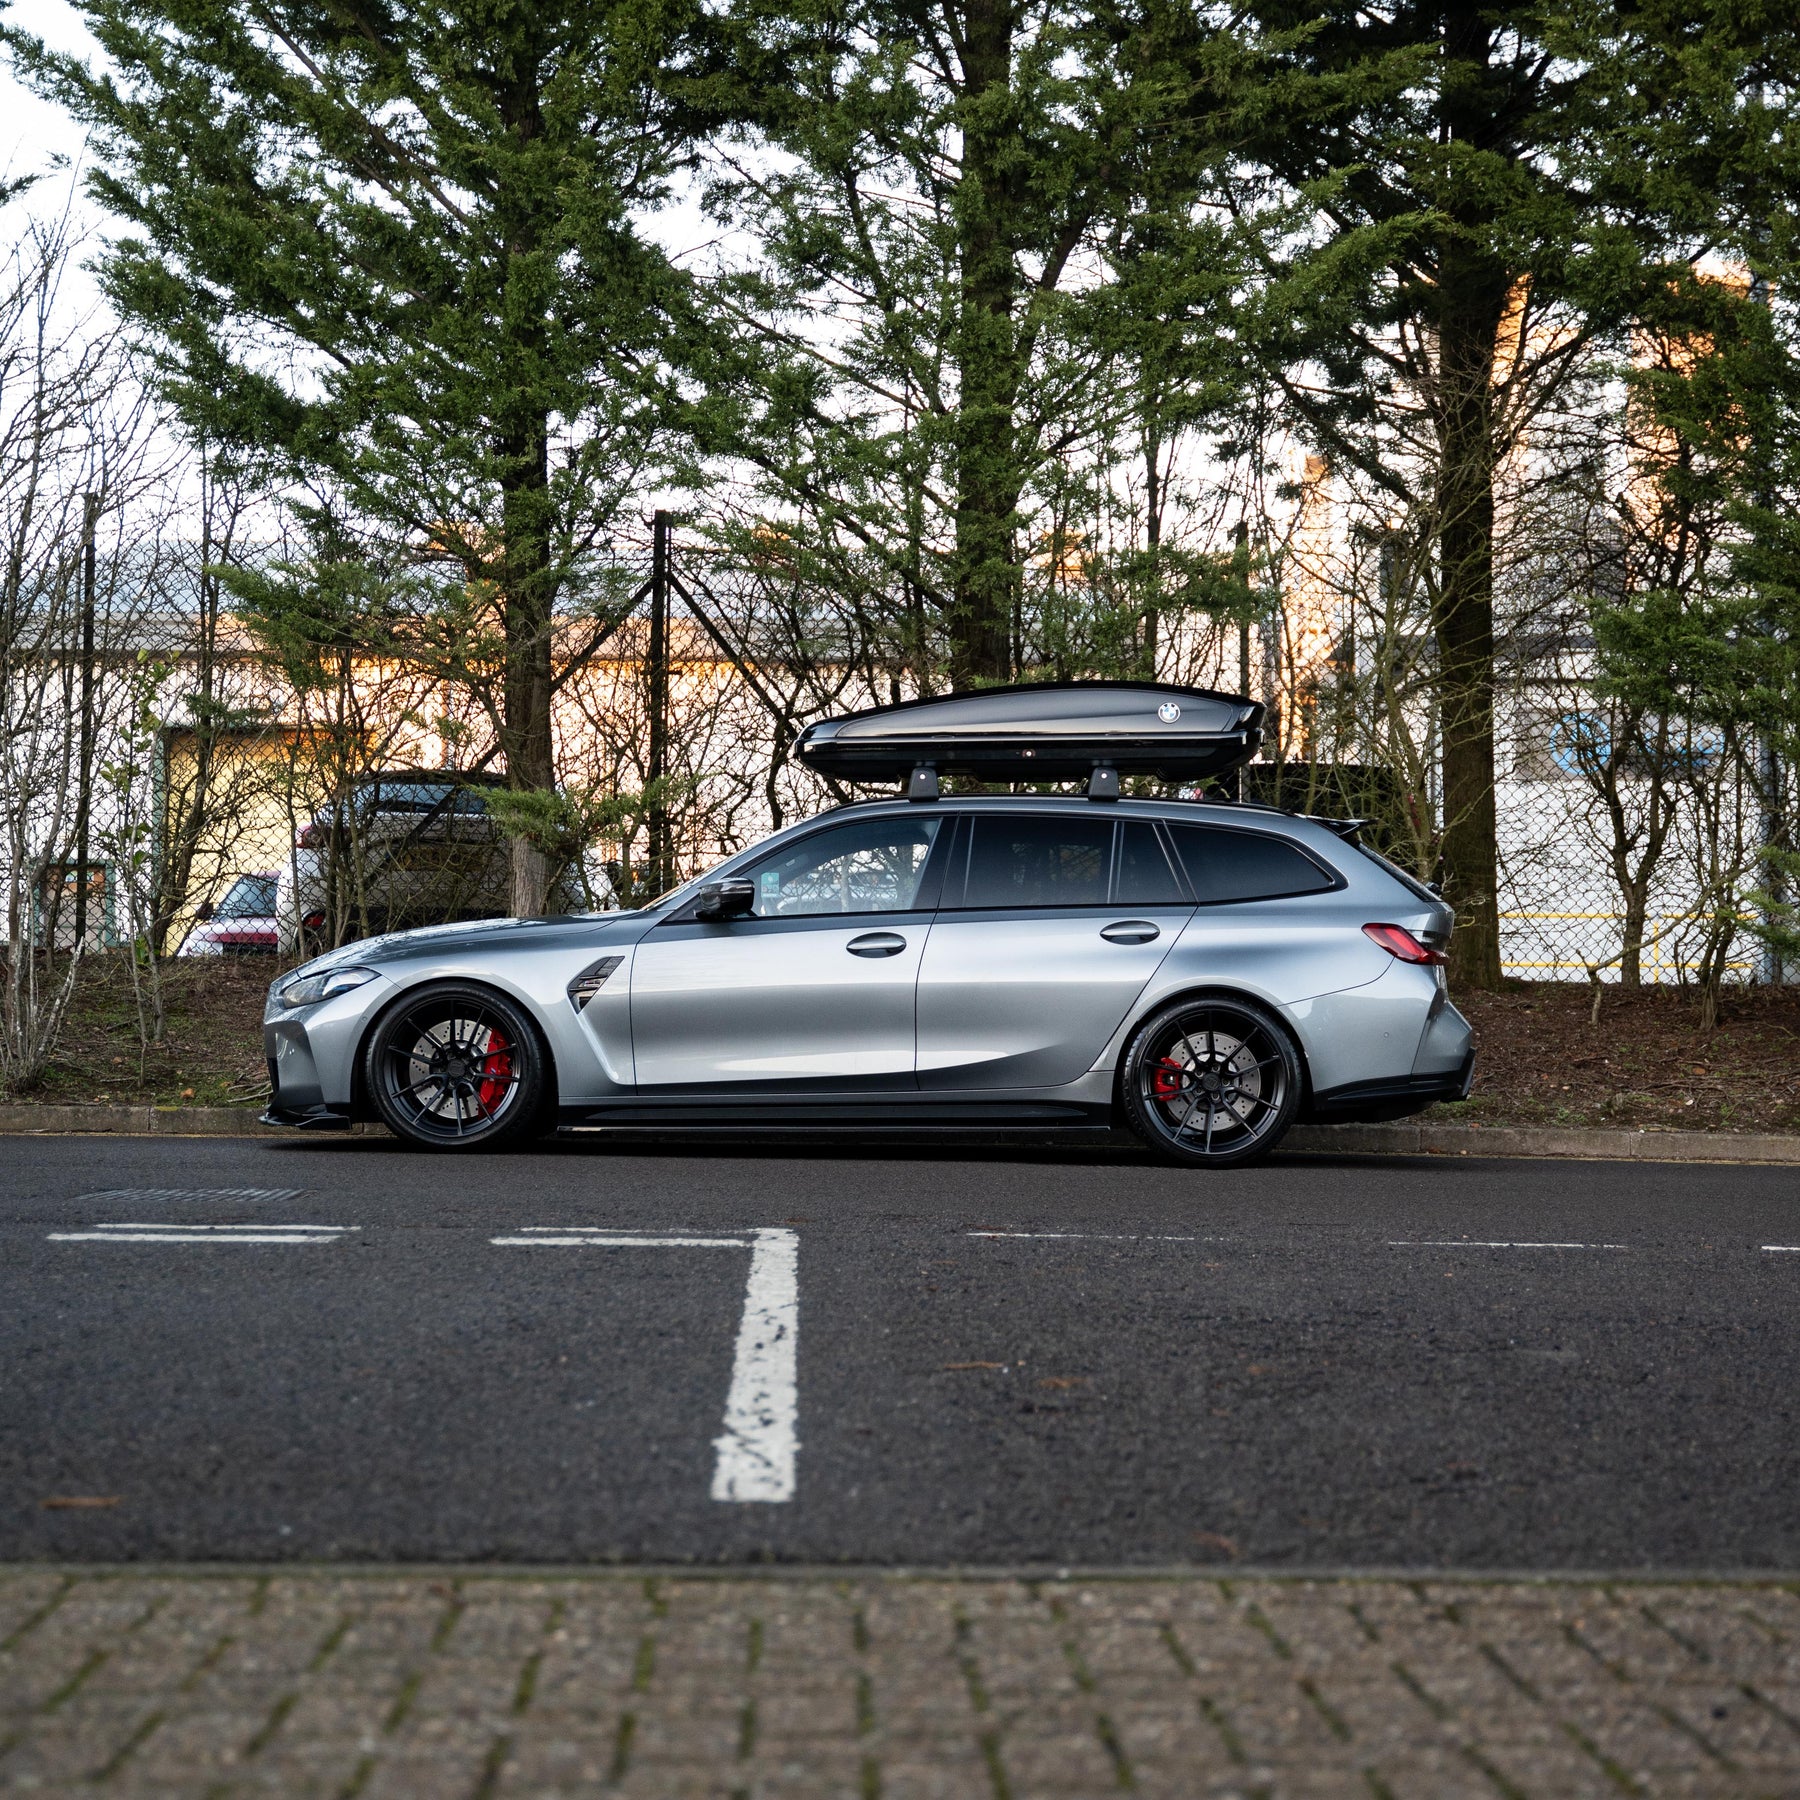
x=1050, y=925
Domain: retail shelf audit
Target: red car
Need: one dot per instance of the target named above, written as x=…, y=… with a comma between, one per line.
x=241, y=924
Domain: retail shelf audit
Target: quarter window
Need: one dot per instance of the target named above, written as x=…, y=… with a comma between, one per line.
x=872, y=867
x=1245, y=865
x=1041, y=860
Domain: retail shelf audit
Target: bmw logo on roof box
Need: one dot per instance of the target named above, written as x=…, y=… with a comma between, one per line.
x=1168, y=712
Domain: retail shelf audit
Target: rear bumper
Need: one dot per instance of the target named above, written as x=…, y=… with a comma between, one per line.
x=1369, y=1102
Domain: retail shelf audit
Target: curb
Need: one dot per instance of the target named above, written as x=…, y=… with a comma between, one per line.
x=1304, y=1140
x=24, y=1119
x=900, y=1574
x=1542, y=1140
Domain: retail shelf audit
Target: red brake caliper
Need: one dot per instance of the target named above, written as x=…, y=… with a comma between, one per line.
x=1166, y=1082
x=496, y=1072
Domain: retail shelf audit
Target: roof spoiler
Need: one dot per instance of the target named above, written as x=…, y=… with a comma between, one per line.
x=1347, y=829
x=1092, y=731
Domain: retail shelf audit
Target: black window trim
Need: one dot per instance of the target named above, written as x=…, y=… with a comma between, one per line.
x=1334, y=883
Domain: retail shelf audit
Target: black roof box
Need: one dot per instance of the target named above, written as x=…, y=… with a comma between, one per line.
x=1042, y=731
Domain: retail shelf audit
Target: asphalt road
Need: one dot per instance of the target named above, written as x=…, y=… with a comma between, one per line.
x=948, y=1356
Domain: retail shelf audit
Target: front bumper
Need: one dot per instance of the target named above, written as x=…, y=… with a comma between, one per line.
x=312, y=1055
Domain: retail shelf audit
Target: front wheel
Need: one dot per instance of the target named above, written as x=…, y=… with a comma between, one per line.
x=457, y=1068
x=1213, y=1083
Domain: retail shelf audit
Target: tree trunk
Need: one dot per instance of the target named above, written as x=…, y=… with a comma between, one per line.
x=526, y=733
x=527, y=508
x=1471, y=299
x=986, y=572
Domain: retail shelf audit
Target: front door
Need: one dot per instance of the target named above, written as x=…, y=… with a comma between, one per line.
x=815, y=988
x=1051, y=925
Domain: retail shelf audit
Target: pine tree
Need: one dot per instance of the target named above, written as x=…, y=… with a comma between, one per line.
x=392, y=246
x=1499, y=187
x=941, y=230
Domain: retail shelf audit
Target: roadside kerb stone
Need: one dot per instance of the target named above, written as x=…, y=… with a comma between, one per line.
x=1398, y=1139
x=813, y=1683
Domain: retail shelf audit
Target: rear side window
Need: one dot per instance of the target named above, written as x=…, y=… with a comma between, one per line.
x=1145, y=878
x=1042, y=860
x=1245, y=865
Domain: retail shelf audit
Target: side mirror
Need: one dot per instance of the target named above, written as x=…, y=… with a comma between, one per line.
x=729, y=899
x=204, y=911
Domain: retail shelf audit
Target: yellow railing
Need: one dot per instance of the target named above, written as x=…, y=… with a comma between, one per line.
x=1657, y=963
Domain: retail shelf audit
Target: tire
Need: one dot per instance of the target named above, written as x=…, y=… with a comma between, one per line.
x=458, y=1067
x=1216, y=1052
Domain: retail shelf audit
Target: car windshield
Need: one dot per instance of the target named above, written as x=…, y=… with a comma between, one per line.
x=422, y=797
x=249, y=897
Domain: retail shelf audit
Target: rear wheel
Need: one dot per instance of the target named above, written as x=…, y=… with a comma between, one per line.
x=1211, y=1083
x=457, y=1068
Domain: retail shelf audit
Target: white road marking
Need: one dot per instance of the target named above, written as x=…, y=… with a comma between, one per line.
x=1097, y=1237
x=577, y=1239
x=148, y=1196
x=756, y=1449
x=123, y=1233
x=1499, y=1244
x=1790, y=1247
x=755, y=1453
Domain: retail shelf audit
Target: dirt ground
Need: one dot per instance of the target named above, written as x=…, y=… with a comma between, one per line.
x=1540, y=1061
x=211, y=1053
x=1645, y=1063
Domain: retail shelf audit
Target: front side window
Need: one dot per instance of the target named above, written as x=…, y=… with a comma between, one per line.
x=1041, y=860
x=1225, y=866
x=871, y=867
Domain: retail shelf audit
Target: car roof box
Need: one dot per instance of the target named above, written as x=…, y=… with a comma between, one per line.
x=1043, y=731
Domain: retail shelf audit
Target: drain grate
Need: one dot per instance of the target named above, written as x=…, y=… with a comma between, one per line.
x=231, y=1196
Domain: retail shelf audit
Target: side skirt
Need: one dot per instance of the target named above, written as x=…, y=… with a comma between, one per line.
x=853, y=1113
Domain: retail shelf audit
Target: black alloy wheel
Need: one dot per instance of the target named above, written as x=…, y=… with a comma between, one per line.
x=1213, y=1083
x=457, y=1068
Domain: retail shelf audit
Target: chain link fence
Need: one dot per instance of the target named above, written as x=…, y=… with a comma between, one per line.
x=219, y=786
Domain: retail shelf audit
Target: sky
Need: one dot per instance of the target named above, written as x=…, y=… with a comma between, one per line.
x=33, y=133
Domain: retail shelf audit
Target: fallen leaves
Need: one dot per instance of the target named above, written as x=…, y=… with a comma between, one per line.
x=78, y=1502
x=954, y=1368
x=1213, y=1540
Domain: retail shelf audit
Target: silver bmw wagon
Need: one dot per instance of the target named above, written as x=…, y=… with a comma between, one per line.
x=1200, y=974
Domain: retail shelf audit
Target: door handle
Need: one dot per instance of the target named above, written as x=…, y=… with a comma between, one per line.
x=877, y=943
x=1130, y=931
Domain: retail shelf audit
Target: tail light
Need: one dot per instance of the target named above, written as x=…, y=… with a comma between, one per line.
x=1398, y=942
x=313, y=920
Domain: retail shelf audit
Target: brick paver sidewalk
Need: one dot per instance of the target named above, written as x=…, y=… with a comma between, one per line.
x=491, y=1684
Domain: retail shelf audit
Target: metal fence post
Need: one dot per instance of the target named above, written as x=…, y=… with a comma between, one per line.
x=658, y=763
x=85, y=789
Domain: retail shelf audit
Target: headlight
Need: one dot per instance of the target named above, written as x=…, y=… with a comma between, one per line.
x=311, y=989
